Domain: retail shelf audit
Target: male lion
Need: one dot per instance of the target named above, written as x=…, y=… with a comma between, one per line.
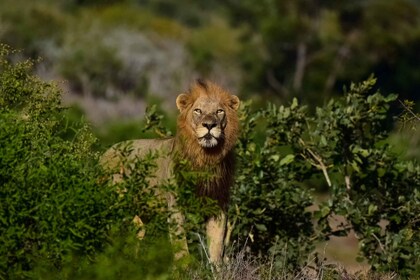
x=207, y=130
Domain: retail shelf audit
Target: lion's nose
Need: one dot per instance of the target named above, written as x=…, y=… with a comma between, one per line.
x=209, y=125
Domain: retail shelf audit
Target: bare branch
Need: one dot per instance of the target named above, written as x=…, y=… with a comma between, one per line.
x=415, y=116
x=337, y=65
x=276, y=84
x=300, y=66
x=379, y=241
x=320, y=165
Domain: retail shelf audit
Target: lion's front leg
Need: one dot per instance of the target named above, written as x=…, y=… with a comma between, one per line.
x=177, y=233
x=216, y=230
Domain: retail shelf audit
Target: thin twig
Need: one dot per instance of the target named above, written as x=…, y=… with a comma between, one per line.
x=300, y=66
x=303, y=268
x=271, y=266
x=321, y=165
x=205, y=252
x=379, y=241
x=415, y=116
x=276, y=84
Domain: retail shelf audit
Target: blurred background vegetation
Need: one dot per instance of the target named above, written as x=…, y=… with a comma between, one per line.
x=127, y=51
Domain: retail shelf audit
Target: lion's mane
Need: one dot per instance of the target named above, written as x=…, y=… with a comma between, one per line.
x=217, y=162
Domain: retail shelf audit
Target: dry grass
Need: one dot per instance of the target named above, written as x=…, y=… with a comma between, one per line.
x=243, y=266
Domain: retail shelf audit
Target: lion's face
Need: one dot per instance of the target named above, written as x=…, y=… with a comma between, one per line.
x=208, y=110
x=208, y=122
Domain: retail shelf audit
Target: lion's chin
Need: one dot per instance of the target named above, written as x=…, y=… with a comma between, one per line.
x=208, y=142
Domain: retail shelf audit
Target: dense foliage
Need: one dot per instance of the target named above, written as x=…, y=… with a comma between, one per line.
x=269, y=200
x=60, y=218
x=55, y=210
x=376, y=193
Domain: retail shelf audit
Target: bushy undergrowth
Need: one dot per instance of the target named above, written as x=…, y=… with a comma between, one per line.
x=56, y=210
x=59, y=218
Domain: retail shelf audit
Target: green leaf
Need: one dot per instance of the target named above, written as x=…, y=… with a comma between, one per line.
x=287, y=159
x=323, y=141
x=372, y=209
x=325, y=210
x=381, y=171
x=294, y=103
x=275, y=158
x=261, y=227
x=355, y=166
x=286, y=113
x=364, y=152
x=391, y=97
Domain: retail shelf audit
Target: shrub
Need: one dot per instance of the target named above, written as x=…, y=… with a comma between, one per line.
x=269, y=199
x=371, y=185
x=344, y=142
x=55, y=209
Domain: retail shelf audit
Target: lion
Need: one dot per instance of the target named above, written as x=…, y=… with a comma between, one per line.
x=207, y=129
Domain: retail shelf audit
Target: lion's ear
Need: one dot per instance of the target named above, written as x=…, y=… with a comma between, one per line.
x=182, y=101
x=234, y=102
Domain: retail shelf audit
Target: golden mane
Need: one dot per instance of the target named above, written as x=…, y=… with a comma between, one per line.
x=218, y=162
x=186, y=139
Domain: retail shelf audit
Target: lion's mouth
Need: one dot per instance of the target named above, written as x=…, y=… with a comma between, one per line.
x=208, y=136
x=208, y=141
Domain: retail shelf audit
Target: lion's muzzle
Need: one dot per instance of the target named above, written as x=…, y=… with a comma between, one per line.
x=209, y=136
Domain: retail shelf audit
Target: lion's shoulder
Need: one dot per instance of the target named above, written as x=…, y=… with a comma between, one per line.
x=131, y=150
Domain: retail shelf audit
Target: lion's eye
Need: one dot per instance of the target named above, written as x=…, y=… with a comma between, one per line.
x=220, y=111
x=197, y=111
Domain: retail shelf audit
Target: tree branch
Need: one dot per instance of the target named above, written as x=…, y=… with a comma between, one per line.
x=320, y=164
x=415, y=116
x=300, y=66
x=379, y=241
x=342, y=53
x=275, y=84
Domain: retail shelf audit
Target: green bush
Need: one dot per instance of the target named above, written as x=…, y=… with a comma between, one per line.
x=369, y=186
x=56, y=210
x=269, y=199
